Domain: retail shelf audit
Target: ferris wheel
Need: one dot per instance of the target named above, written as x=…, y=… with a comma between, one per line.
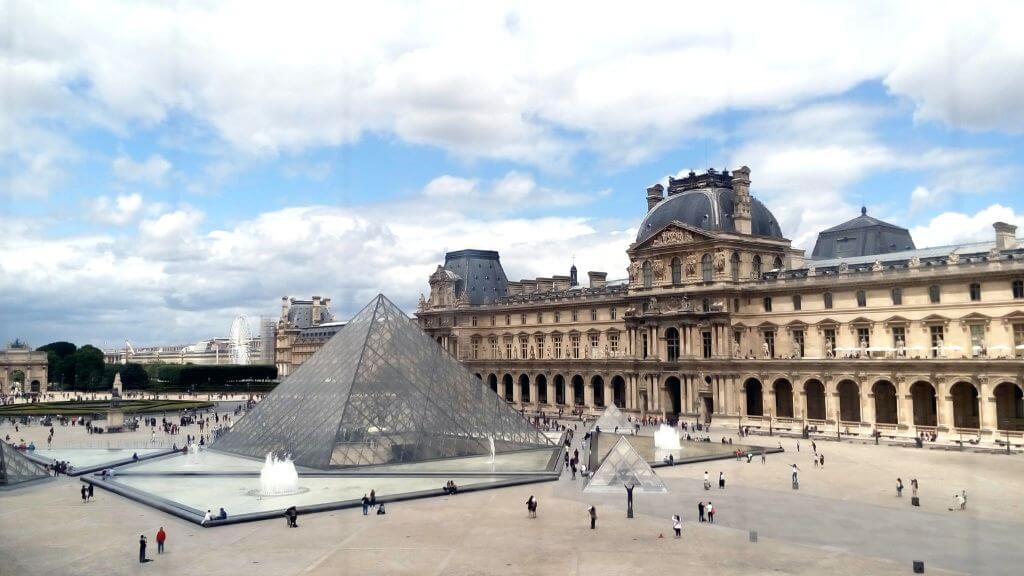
x=241, y=341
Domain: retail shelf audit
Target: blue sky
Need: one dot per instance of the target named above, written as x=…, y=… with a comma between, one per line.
x=167, y=167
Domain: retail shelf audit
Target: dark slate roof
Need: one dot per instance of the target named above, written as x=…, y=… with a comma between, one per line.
x=300, y=314
x=707, y=208
x=481, y=275
x=861, y=236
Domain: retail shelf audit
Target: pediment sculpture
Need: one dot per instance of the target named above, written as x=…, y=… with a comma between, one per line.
x=672, y=236
x=691, y=265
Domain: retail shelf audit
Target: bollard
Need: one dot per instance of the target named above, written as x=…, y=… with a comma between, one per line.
x=918, y=567
x=753, y=535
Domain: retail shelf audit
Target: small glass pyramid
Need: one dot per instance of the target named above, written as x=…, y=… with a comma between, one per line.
x=624, y=466
x=16, y=468
x=612, y=420
x=381, y=391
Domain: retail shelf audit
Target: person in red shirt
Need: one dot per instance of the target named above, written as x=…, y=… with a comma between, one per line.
x=160, y=537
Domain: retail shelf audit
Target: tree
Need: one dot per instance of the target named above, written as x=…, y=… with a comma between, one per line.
x=89, y=367
x=60, y=362
x=134, y=376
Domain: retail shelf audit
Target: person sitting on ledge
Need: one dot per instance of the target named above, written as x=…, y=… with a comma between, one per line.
x=223, y=514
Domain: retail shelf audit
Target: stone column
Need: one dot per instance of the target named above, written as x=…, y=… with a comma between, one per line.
x=588, y=393
x=988, y=417
x=943, y=406
x=517, y=397
x=904, y=405
x=867, y=406
x=550, y=383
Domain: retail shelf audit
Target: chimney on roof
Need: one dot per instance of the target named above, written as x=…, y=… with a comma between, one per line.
x=597, y=279
x=654, y=195
x=284, y=307
x=315, y=315
x=741, y=200
x=1006, y=236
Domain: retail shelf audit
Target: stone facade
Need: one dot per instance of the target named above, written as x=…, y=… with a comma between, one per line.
x=726, y=324
x=26, y=365
x=304, y=327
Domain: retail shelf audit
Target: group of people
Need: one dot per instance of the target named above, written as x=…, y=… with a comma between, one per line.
x=221, y=515
x=161, y=538
x=450, y=488
x=371, y=500
x=705, y=512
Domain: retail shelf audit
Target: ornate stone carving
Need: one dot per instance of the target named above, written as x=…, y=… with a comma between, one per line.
x=720, y=261
x=635, y=269
x=953, y=258
x=844, y=267
x=812, y=270
x=423, y=303
x=671, y=237
x=914, y=262
x=876, y=267
x=658, y=268
x=691, y=265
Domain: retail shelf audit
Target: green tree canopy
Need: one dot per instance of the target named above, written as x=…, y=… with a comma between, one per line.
x=89, y=368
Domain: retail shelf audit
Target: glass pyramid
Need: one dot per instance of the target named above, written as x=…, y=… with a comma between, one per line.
x=611, y=418
x=380, y=391
x=623, y=465
x=16, y=468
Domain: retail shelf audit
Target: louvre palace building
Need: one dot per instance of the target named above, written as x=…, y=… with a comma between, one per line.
x=721, y=318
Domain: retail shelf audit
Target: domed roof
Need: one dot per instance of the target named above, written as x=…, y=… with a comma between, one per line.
x=709, y=209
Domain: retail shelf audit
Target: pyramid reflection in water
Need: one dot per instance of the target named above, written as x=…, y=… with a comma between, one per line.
x=380, y=392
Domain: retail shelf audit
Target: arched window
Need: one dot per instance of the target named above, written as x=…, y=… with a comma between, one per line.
x=735, y=266
x=705, y=268
x=755, y=268
x=672, y=339
x=648, y=274
x=777, y=263
x=677, y=271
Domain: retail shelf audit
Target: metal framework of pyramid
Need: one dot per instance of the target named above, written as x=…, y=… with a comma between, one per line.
x=624, y=465
x=15, y=468
x=611, y=419
x=380, y=391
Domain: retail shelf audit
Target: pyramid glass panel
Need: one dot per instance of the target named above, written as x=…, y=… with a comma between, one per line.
x=624, y=466
x=612, y=420
x=16, y=468
x=380, y=392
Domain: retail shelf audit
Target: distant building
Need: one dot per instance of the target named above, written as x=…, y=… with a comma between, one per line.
x=204, y=352
x=22, y=370
x=304, y=326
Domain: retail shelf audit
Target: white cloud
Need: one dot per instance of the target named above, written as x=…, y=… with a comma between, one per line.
x=512, y=192
x=626, y=84
x=956, y=227
x=117, y=211
x=152, y=170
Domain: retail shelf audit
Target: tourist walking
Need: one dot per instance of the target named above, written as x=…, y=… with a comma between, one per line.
x=593, y=517
x=366, y=505
x=814, y=447
x=677, y=525
x=700, y=511
x=629, y=499
x=85, y=494
x=531, y=507
x=821, y=459
x=292, y=515
x=963, y=500
x=373, y=498
x=797, y=445
x=707, y=483
x=795, y=470
x=721, y=480
x=711, y=513
x=764, y=456
x=161, y=537
x=142, y=548
x=913, y=486
x=899, y=487
x=90, y=491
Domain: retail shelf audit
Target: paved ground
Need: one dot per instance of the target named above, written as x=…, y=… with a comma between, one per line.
x=845, y=519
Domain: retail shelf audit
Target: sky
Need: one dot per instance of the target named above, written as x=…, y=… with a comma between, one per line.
x=167, y=166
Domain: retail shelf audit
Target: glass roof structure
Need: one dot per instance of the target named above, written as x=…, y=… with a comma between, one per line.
x=380, y=392
x=15, y=468
x=612, y=420
x=624, y=466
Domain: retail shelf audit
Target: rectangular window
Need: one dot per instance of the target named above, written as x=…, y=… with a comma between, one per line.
x=522, y=318
x=863, y=339
x=613, y=342
x=977, y=339
x=938, y=343
x=540, y=317
x=476, y=348
x=797, y=302
x=574, y=345
x=556, y=345
x=828, y=300
x=975, y=292
x=524, y=346
x=508, y=319
x=735, y=304
x=897, y=296
x=705, y=305
x=705, y=340
x=899, y=339
x=508, y=347
x=494, y=348
x=595, y=341
x=540, y=346
x=1018, y=339
x=768, y=304
x=472, y=321
x=643, y=344
x=1018, y=289
x=575, y=315
x=934, y=295
x=492, y=319
x=862, y=298
x=558, y=316
x=593, y=314
x=830, y=343
x=769, y=339
x=613, y=313
x=798, y=343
